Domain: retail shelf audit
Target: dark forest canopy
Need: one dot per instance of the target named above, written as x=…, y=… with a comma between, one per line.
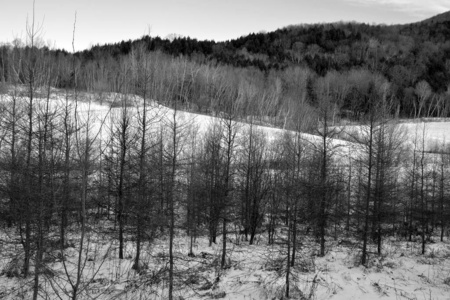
x=412, y=59
x=321, y=47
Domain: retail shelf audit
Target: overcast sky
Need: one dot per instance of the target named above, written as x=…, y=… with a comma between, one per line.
x=106, y=21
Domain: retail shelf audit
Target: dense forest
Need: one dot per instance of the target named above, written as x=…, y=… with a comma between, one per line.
x=413, y=60
x=96, y=146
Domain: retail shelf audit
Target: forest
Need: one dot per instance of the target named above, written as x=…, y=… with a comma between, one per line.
x=414, y=59
x=281, y=140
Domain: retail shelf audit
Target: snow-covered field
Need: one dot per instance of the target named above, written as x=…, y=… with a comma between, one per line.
x=100, y=111
x=436, y=133
x=255, y=271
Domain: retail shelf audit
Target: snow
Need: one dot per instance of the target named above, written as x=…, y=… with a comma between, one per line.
x=254, y=271
x=436, y=133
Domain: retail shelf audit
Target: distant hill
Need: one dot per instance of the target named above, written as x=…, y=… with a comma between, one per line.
x=411, y=61
x=422, y=48
x=444, y=17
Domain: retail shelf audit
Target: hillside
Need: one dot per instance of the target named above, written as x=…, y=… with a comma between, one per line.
x=441, y=18
x=321, y=47
x=286, y=68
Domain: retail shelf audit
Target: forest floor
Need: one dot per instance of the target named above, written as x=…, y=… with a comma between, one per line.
x=252, y=271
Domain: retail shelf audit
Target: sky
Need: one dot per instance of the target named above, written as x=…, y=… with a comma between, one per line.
x=110, y=21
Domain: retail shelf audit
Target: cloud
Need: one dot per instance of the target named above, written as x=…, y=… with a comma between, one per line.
x=419, y=8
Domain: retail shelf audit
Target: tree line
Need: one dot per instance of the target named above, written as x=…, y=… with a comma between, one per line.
x=414, y=59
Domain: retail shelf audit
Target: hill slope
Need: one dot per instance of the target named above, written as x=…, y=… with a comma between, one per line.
x=444, y=17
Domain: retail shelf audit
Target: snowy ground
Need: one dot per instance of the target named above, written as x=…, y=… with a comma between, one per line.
x=101, y=111
x=254, y=271
x=104, y=106
x=436, y=133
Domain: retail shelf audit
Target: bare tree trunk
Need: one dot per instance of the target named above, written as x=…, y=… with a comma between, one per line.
x=172, y=192
x=422, y=191
x=120, y=192
x=324, y=194
x=13, y=184
x=42, y=159
x=349, y=194
x=288, y=263
x=66, y=191
x=442, y=202
x=142, y=192
x=368, y=192
x=294, y=235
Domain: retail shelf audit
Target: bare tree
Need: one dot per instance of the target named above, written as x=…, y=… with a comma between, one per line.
x=377, y=112
x=326, y=112
x=423, y=92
